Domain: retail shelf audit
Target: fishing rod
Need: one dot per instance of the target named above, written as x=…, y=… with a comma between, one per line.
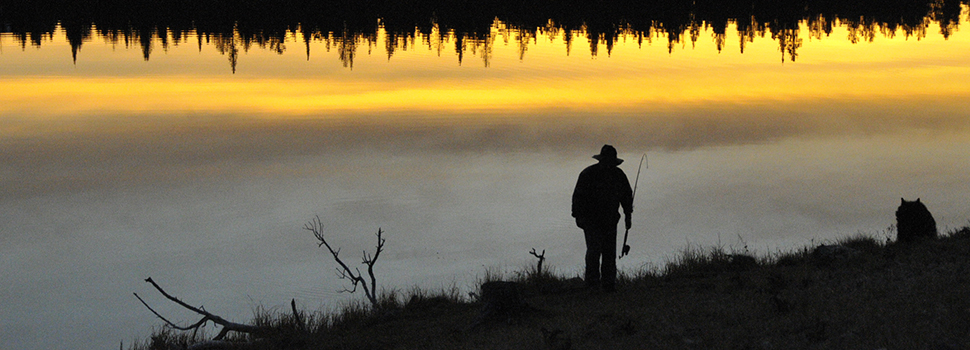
x=626, y=247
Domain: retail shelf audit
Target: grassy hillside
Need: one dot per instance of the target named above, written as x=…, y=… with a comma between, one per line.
x=860, y=293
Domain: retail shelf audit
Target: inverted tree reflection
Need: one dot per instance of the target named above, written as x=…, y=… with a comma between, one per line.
x=471, y=28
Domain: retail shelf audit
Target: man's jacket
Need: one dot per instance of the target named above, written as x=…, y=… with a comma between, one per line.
x=600, y=191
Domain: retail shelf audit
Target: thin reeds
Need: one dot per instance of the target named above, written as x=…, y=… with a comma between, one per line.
x=858, y=292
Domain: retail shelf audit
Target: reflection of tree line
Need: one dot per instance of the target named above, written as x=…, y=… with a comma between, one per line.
x=464, y=26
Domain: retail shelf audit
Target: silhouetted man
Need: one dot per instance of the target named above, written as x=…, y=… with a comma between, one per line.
x=602, y=188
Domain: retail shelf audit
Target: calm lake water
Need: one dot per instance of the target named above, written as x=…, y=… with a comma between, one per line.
x=196, y=159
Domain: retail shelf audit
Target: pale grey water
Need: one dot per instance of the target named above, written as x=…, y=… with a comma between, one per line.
x=225, y=232
x=211, y=204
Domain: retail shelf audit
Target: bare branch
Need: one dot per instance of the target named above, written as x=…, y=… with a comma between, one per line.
x=206, y=316
x=541, y=257
x=170, y=323
x=344, y=271
x=316, y=226
x=370, y=267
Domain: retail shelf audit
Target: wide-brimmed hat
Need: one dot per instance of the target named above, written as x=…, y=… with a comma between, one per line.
x=608, y=154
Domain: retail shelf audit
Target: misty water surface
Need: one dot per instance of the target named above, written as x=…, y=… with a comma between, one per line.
x=196, y=158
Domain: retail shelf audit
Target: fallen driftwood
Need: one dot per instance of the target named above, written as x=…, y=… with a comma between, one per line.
x=227, y=326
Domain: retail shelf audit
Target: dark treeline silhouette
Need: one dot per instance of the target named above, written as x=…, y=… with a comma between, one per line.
x=233, y=25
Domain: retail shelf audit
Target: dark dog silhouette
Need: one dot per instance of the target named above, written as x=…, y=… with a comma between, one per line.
x=914, y=222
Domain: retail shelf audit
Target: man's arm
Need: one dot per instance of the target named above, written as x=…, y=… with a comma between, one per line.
x=580, y=206
x=626, y=198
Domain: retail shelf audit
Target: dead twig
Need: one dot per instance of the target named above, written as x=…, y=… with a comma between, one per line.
x=206, y=317
x=297, y=315
x=541, y=257
x=344, y=271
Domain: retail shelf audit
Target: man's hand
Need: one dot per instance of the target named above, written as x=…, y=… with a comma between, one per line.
x=581, y=223
x=629, y=221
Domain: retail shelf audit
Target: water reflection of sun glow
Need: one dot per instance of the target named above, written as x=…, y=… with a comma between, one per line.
x=523, y=76
x=199, y=162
